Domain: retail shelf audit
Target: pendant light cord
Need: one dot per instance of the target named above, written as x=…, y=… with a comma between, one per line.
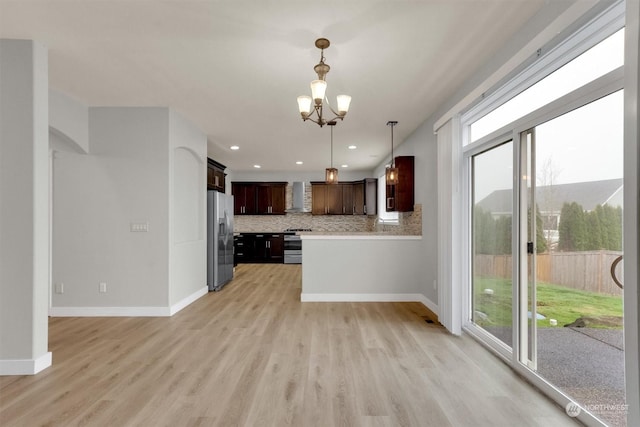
x=331, y=147
x=392, y=161
x=392, y=123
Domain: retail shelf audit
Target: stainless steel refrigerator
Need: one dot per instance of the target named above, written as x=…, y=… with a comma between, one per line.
x=219, y=239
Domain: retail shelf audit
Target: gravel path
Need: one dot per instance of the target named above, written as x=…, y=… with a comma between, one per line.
x=585, y=363
x=588, y=364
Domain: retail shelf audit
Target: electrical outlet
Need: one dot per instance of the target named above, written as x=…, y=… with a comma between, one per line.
x=59, y=288
x=103, y=287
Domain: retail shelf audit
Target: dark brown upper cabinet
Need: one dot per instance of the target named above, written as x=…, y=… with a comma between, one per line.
x=344, y=198
x=271, y=198
x=400, y=197
x=215, y=176
x=259, y=198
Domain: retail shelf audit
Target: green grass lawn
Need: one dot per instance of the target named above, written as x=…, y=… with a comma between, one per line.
x=553, y=301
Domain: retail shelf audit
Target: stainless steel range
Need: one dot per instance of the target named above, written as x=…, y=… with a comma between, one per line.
x=293, y=245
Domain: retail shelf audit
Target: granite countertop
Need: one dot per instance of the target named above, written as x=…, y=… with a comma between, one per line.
x=337, y=235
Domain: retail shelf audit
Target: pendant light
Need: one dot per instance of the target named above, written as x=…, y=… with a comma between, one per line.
x=391, y=172
x=331, y=174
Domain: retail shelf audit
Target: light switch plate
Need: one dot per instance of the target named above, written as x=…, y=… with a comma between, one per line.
x=137, y=227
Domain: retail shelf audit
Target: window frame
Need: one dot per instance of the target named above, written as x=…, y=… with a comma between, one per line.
x=561, y=50
x=384, y=217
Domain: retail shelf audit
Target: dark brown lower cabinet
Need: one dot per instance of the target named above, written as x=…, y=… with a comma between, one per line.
x=259, y=248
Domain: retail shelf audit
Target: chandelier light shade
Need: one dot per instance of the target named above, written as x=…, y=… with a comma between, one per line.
x=318, y=89
x=304, y=105
x=312, y=107
x=391, y=172
x=331, y=174
x=343, y=104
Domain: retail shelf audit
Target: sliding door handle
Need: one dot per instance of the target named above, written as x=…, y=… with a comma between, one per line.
x=613, y=271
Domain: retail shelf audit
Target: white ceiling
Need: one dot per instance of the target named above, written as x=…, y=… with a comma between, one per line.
x=235, y=68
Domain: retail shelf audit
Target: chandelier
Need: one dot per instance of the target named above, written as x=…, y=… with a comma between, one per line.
x=318, y=89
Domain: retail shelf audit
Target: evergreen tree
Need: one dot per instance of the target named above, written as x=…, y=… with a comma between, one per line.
x=572, y=228
x=484, y=230
x=611, y=225
x=594, y=236
x=492, y=235
x=503, y=235
x=541, y=241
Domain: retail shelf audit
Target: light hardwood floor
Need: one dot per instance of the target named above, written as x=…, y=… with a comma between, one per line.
x=254, y=355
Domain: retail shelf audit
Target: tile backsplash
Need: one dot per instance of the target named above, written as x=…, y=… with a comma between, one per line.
x=409, y=223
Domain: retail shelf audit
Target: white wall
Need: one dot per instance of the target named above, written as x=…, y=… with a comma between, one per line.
x=422, y=145
x=124, y=179
x=24, y=219
x=422, y=142
x=187, y=200
x=69, y=122
x=144, y=166
x=362, y=268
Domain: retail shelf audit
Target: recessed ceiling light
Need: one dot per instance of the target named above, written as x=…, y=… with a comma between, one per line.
x=298, y=162
x=234, y=147
x=256, y=166
x=345, y=166
x=352, y=147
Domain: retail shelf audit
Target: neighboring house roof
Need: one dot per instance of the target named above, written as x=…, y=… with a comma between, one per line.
x=551, y=198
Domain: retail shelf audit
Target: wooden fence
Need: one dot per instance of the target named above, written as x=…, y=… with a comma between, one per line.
x=588, y=271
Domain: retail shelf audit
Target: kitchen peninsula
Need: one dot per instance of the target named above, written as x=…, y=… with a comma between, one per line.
x=366, y=266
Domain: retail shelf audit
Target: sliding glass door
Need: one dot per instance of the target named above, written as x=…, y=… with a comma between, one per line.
x=492, y=216
x=543, y=176
x=546, y=250
x=571, y=311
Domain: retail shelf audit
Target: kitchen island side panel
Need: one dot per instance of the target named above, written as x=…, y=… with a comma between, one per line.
x=363, y=268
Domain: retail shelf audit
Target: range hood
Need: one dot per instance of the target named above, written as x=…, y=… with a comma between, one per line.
x=298, y=198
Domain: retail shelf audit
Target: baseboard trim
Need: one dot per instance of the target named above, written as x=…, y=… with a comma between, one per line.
x=188, y=300
x=430, y=305
x=306, y=297
x=109, y=311
x=25, y=366
x=127, y=311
